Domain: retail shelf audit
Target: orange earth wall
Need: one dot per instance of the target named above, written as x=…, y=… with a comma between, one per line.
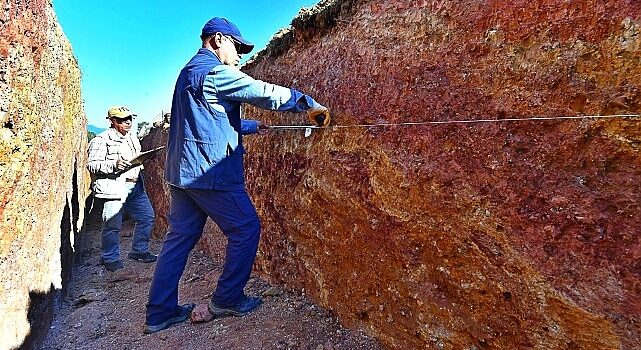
x=512, y=235
x=43, y=143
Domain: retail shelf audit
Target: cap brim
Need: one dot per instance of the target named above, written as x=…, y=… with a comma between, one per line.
x=245, y=46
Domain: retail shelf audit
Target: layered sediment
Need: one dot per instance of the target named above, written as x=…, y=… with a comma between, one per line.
x=42, y=160
x=494, y=235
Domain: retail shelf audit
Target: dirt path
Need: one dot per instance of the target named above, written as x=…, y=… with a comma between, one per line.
x=105, y=310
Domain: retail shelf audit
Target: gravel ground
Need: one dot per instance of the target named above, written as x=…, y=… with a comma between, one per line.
x=105, y=310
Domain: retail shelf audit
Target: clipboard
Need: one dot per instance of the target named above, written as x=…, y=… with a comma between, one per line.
x=143, y=156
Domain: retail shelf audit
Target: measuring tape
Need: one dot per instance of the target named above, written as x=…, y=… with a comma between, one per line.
x=470, y=121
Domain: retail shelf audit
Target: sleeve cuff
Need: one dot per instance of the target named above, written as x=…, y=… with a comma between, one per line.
x=248, y=126
x=305, y=102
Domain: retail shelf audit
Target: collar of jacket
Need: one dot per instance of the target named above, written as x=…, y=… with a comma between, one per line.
x=204, y=51
x=113, y=134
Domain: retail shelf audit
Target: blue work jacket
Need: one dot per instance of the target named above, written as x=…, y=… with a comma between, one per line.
x=205, y=145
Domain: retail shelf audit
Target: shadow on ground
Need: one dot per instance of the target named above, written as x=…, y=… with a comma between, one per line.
x=105, y=310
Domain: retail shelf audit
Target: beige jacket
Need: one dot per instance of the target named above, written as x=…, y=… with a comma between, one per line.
x=104, y=150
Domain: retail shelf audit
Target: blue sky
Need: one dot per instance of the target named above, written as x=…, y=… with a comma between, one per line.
x=130, y=52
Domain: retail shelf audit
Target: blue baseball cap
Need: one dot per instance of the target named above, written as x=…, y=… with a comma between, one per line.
x=223, y=26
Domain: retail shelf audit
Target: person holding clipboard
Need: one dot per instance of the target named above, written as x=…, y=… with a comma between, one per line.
x=115, y=164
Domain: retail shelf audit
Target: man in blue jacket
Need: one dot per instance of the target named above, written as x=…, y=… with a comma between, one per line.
x=205, y=171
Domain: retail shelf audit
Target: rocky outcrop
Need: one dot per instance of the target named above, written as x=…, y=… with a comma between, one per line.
x=42, y=162
x=459, y=236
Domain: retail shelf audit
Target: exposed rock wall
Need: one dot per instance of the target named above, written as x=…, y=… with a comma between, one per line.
x=42, y=162
x=482, y=236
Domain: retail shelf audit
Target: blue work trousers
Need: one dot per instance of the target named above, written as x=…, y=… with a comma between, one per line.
x=138, y=206
x=235, y=215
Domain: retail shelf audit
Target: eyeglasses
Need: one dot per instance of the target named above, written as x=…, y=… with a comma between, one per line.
x=236, y=43
x=122, y=120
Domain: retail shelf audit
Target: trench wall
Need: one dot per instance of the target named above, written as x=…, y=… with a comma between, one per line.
x=511, y=235
x=43, y=185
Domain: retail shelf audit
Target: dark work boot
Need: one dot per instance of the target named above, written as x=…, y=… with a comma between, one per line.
x=182, y=314
x=112, y=265
x=145, y=257
x=245, y=306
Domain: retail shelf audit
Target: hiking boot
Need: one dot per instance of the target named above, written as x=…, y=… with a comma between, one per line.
x=247, y=305
x=113, y=265
x=145, y=257
x=182, y=314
